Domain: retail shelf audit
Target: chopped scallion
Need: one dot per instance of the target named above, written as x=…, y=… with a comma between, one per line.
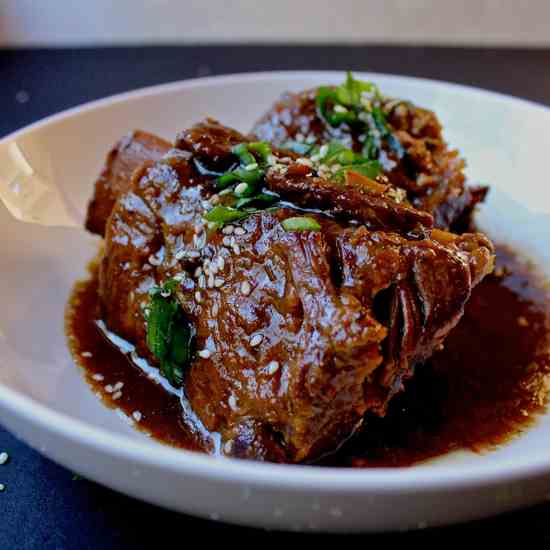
x=301, y=223
x=169, y=334
x=224, y=214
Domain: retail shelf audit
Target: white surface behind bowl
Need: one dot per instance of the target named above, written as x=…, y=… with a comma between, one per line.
x=45, y=401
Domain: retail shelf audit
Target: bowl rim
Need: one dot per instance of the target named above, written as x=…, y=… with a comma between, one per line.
x=275, y=476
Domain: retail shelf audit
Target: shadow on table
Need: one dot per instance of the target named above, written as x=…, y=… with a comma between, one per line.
x=57, y=510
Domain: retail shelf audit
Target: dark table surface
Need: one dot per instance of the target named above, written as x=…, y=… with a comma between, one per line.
x=44, y=506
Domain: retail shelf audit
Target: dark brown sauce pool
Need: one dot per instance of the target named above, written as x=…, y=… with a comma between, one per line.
x=487, y=385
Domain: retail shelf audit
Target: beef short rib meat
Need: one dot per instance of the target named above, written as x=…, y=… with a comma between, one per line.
x=123, y=159
x=430, y=172
x=298, y=333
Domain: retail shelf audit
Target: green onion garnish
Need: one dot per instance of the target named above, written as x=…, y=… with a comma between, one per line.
x=224, y=214
x=371, y=169
x=251, y=177
x=300, y=223
x=245, y=157
x=169, y=334
x=262, y=148
x=248, y=179
x=357, y=103
x=261, y=199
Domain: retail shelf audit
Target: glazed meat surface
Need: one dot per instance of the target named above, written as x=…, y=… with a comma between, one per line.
x=123, y=159
x=430, y=173
x=297, y=333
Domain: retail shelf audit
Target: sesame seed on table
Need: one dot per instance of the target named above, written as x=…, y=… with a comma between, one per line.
x=42, y=505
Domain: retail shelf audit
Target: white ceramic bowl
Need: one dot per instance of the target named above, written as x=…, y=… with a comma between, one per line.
x=45, y=401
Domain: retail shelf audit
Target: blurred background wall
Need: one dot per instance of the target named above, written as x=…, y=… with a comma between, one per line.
x=445, y=22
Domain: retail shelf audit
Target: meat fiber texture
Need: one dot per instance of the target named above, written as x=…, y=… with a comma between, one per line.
x=298, y=333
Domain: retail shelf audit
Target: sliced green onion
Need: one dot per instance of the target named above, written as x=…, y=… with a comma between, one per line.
x=244, y=190
x=169, y=335
x=301, y=223
x=326, y=96
x=346, y=103
x=370, y=169
x=262, y=148
x=224, y=214
x=240, y=174
x=245, y=157
x=349, y=93
x=262, y=199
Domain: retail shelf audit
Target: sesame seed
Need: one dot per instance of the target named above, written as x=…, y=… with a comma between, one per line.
x=256, y=340
x=137, y=416
x=240, y=231
x=214, y=268
x=236, y=249
x=221, y=263
x=323, y=150
x=198, y=297
x=272, y=367
x=180, y=254
x=153, y=260
x=117, y=395
x=109, y=388
x=202, y=281
x=210, y=281
x=228, y=229
x=86, y=354
x=232, y=402
x=227, y=241
x=4, y=458
x=251, y=166
x=225, y=191
x=204, y=353
x=218, y=282
x=245, y=288
x=241, y=188
x=199, y=240
x=118, y=386
x=193, y=254
x=98, y=377
x=2, y=487
x=198, y=271
x=198, y=229
x=215, y=310
x=522, y=321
